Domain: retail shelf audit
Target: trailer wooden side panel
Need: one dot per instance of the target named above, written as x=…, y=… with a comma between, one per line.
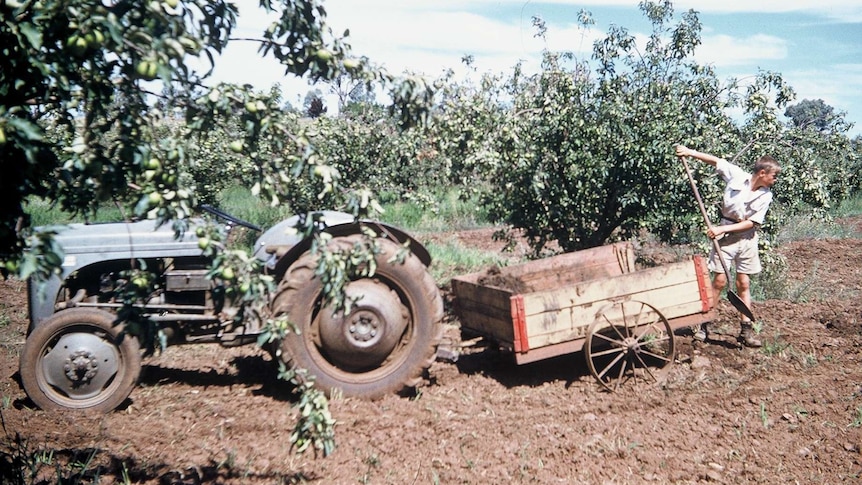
x=566, y=314
x=490, y=310
x=553, y=316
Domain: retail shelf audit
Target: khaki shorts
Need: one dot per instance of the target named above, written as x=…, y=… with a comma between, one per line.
x=739, y=252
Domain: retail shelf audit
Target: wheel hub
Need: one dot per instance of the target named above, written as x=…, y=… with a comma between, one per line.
x=364, y=328
x=81, y=364
x=369, y=333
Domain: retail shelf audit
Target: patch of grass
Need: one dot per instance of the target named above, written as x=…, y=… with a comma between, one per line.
x=799, y=228
x=42, y=213
x=239, y=202
x=444, y=212
x=453, y=259
x=804, y=226
x=850, y=207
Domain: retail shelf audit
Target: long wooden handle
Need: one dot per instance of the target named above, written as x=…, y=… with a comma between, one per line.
x=705, y=217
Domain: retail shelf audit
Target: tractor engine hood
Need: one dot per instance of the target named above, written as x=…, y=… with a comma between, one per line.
x=87, y=243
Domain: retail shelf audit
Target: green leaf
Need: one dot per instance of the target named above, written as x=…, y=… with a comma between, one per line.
x=33, y=35
x=29, y=130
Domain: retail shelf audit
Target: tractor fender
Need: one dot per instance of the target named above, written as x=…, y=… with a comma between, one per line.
x=281, y=246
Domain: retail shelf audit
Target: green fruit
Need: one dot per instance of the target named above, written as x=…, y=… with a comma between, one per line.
x=323, y=54
x=236, y=146
x=155, y=198
x=227, y=273
x=172, y=3
x=94, y=38
x=149, y=175
x=139, y=282
x=78, y=45
x=147, y=70
x=351, y=64
x=243, y=288
x=153, y=164
x=12, y=266
x=200, y=232
x=203, y=242
x=251, y=107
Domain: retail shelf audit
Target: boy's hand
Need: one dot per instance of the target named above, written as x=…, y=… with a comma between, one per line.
x=682, y=151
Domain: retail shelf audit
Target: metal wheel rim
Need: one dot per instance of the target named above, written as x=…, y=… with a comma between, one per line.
x=390, y=364
x=640, y=346
x=95, y=345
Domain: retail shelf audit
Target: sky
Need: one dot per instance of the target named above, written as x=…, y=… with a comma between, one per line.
x=816, y=45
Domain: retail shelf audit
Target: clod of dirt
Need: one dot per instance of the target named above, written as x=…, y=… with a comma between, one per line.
x=494, y=277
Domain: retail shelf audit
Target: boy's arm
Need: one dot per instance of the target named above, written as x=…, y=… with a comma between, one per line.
x=683, y=151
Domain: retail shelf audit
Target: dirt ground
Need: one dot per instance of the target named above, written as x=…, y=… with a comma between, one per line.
x=790, y=412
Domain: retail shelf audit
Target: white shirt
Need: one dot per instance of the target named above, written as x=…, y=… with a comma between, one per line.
x=740, y=203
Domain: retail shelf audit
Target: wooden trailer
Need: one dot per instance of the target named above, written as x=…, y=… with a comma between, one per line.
x=593, y=300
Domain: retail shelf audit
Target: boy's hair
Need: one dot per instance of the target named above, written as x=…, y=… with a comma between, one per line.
x=767, y=163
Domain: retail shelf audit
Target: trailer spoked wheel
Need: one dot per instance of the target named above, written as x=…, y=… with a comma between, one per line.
x=629, y=341
x=77, y=359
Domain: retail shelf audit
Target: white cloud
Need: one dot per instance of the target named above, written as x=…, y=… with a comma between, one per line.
x=430, y=36
x=836, y=85
x=725, y=50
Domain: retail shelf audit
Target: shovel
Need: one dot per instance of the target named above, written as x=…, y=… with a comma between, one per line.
x=735, y=300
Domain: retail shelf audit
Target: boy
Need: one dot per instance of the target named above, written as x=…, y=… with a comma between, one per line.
x=743, y=209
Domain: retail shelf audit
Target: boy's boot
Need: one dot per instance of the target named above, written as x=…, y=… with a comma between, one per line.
x=747, y=337
x=702, y=333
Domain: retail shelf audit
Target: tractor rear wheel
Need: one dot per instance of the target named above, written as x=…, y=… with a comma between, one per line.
x=383, y=345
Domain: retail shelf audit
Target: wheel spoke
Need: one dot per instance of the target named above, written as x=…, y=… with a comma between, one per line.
x=610, y=365
x=622, y=373
x=614, y=327
x=618, y=343
x=614, y=353
x=645, y=367
x=608, y=351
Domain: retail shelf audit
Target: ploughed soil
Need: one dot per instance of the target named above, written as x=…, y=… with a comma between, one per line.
x=790, y=412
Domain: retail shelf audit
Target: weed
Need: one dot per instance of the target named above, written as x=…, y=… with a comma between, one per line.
x=772, y=282
x=229, y=461
x=371, y=462
x=857, y=419
x=806, y=359
x=804, y=290
x=616, y=447
x=773, y=347
x=126, y=480
x=764, y=418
